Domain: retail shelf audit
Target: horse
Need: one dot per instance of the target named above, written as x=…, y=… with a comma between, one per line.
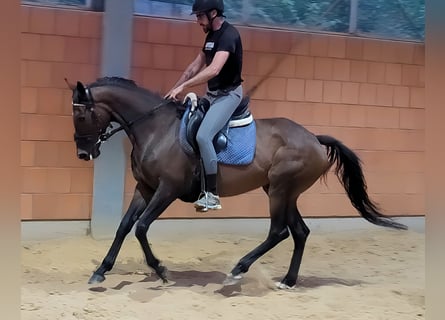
x=288, y=159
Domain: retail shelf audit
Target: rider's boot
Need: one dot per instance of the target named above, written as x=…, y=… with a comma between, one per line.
x=209, y=198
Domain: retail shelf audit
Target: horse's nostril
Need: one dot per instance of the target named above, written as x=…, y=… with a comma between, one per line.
x=83, y=155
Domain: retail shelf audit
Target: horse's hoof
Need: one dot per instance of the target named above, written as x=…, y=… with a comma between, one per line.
x=232, y=279
x=283, y=286
x=96, y=278
x=162, y=273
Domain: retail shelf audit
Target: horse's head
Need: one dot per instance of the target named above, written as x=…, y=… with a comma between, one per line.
x=90, y=119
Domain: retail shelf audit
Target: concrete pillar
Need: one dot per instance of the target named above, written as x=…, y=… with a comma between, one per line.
x=109, y=168
x=353, y=16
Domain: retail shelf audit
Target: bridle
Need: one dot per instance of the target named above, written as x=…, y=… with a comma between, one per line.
x=90, y=105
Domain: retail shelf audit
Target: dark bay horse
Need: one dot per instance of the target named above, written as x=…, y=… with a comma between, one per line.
x=288, y=160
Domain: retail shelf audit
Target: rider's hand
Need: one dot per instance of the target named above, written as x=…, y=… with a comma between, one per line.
x=173, y=93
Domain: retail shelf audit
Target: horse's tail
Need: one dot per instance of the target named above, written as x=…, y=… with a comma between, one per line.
x=350, y=174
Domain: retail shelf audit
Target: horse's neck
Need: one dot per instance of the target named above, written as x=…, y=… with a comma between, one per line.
x=124, y=105
x=145, y=115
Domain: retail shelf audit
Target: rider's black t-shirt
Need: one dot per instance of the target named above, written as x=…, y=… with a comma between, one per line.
x=227, y=38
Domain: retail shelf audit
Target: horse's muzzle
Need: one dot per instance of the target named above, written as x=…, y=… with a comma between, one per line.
x=84, y=155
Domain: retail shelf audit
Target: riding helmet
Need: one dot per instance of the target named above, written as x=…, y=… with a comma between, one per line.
x=207, y=5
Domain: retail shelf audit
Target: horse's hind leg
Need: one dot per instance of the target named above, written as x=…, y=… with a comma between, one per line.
x=300, y=232
x=278, y=232
x=135, y=209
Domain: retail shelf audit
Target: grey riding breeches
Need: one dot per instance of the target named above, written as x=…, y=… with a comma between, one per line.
x=222, y=106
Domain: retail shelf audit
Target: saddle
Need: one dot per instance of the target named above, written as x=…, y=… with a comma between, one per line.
x=197, y=109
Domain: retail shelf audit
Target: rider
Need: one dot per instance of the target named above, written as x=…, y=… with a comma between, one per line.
x=220, y=65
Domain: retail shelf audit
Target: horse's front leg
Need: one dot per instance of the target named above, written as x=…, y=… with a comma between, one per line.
x=162, y=198
x=135, y=209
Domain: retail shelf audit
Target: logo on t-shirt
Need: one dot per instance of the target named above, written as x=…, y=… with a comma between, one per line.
x=209, y=45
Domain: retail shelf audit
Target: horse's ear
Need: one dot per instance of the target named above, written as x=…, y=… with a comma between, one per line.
x=70, y=85
x=80, y=88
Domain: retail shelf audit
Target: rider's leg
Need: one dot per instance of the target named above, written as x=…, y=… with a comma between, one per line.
x=216, y=117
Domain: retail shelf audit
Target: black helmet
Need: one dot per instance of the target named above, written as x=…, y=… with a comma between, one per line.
x=207, y=5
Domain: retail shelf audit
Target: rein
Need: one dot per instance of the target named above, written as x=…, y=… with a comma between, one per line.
x=107, y=135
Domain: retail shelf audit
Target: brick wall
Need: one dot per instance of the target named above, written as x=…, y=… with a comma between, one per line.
x=55, y=44
x=367, y=93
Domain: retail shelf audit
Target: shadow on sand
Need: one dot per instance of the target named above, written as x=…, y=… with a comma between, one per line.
x=311, y=282
x=211, y=281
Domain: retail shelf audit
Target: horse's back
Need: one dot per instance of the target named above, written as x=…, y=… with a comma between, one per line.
x=285, y=132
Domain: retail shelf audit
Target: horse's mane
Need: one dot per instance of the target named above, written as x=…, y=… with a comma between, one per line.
x=114, y=81
x=131, y=84
x=124, y=83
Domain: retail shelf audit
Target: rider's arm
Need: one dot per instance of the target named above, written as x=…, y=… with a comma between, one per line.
x=210, y=71
x=192, y=69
